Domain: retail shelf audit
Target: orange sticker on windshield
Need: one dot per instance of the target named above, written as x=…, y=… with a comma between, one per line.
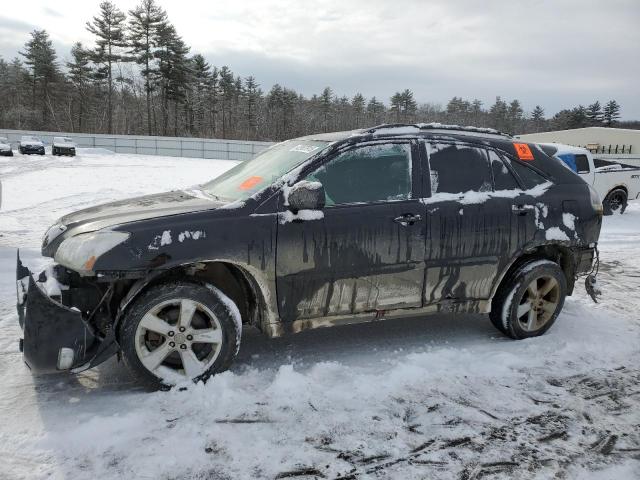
x=523, y=151
x=249, y=183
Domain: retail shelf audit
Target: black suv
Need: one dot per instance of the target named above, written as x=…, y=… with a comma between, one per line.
x=329, y=229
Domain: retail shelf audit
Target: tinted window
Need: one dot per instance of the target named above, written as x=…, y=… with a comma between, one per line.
x=367, y=174
x=503, y=179
x=458, y=169
x=529, y=177
x=582, y=164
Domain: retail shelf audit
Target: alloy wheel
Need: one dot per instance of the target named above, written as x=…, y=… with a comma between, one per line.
x=538, y=303
x=179, y=337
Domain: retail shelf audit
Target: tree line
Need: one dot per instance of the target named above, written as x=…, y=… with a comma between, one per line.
x=139, y=77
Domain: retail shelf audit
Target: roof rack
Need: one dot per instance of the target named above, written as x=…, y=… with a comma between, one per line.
x=437, y=126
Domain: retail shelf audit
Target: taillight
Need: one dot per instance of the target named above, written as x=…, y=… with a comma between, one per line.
x=596, y=203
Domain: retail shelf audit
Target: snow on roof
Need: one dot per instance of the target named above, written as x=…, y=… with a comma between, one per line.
x=418, y=127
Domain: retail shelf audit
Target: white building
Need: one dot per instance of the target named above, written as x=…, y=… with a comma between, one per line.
x=612, y=143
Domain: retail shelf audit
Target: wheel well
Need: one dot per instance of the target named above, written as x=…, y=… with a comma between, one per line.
x=617, y=187
x=556, y=253
x=232, y=280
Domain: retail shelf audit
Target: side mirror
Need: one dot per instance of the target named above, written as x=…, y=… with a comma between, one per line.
x=305, y=195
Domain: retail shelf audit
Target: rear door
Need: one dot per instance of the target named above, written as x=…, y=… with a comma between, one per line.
x=472, y=231
x=366, y=253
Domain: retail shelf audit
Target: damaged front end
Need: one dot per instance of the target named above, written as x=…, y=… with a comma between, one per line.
x=57, y=333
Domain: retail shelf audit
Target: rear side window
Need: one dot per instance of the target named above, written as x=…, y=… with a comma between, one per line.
x=458, y=169
x=367, y=174
x=503, y=179
x=529, y=177
x=582, y=164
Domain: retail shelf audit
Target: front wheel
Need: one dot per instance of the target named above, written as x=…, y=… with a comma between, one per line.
x=530, y=299
x=615, y=201
x=180, y=331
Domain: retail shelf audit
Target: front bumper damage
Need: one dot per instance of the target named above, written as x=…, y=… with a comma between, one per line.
x=56, y=337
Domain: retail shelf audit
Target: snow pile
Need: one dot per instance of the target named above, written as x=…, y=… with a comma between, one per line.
x=554, y=233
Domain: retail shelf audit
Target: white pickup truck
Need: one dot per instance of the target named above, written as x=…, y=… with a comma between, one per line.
x=616, y=183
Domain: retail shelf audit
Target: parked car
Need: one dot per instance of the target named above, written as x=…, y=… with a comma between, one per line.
x=615, y=182
x=29, y=144
x=63, y=146
x=5, y=147
x=323, y=230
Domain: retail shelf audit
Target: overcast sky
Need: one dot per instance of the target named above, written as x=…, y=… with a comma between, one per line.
x=554, y=53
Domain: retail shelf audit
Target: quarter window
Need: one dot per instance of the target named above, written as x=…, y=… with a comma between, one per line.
x=503, y=179
x=372, y=173
x=458, y=169
x=529, y=177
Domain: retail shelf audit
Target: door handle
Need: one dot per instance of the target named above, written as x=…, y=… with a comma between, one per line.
x=521, y=209
x=407, y=219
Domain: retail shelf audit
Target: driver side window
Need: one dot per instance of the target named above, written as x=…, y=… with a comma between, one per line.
x=373, y=173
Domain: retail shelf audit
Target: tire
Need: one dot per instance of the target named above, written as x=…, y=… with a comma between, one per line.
x=536, y=290
x=159, y=310
x=53, y=152
x=20, y=150
x=615, y=201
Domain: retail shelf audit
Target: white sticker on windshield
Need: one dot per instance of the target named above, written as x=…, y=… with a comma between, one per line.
x=304, y=148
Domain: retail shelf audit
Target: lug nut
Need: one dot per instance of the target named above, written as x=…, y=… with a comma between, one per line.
x=189, y=337
x=183, y=346
x=171, y=344
x=171, y=333
x=182, y=329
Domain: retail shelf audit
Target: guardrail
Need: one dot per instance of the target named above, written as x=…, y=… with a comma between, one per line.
x=145, y=145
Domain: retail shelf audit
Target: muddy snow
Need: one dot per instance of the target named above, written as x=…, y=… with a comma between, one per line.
x=436, y=397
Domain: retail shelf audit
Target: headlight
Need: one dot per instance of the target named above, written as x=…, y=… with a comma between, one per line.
x=596, y=203
x=53, y=233
x=80, y=253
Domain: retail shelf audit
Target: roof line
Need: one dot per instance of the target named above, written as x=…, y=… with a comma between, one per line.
x=437, y=126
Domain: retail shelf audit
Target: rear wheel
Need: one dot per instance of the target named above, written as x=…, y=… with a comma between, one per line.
x=529, y=301
x=615, y=202
x=179, y=331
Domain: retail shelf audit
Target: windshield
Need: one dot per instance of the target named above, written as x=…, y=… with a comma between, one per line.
x=248, y=177
x=30, y=139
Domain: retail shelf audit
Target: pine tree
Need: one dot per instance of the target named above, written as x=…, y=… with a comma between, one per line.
x=537, y=116
x=515, y=115
x=253, y=95
x=395, y=106
x=145, y=22
x=358, y=104
x=201, y=88
x=80, y=75
x=109, y=28
x=41, y=59
x=611, y=113
x=498, y=115
x=326, y=107
x=375, y=111
x=594, y=114
x=408, y=104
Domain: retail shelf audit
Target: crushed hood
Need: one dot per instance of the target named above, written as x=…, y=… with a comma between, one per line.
x=126, y=211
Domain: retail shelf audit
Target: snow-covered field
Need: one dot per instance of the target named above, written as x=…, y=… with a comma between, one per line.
x=437, y=397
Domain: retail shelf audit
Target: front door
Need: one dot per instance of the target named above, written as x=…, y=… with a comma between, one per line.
x=366, y=253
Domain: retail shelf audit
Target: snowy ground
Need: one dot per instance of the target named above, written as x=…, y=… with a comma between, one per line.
x=436, y=397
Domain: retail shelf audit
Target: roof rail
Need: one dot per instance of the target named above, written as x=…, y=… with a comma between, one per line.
x=437, y=126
